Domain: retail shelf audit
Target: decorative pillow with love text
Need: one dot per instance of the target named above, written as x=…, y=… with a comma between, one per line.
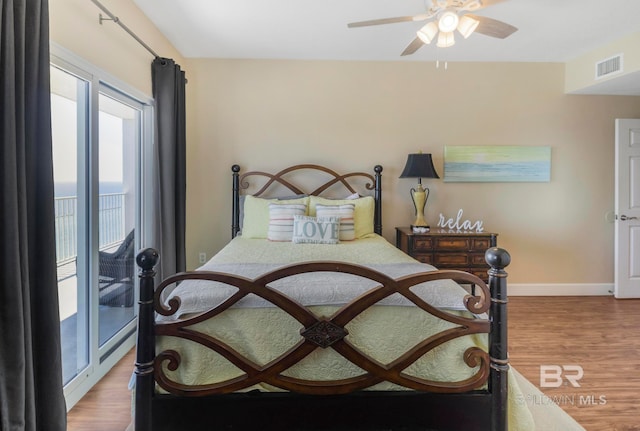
x=316, y=230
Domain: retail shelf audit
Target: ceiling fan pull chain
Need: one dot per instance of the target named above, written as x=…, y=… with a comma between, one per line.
x=446, y=64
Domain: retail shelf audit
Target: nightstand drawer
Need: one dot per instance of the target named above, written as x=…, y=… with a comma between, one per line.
x=450, y=259
x=422, y=244
x=477, y=259
x=452, y=244
x=481, y=244
x=480, y=273
x=423, y=257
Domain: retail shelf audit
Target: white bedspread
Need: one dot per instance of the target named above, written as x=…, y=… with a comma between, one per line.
x=326, y=288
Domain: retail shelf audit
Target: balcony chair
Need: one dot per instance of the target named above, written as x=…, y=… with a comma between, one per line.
x=115, y=274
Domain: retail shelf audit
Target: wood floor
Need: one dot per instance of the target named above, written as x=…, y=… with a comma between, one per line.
x=599, y=334
x=107, y=406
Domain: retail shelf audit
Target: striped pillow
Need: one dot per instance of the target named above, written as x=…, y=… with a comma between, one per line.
x=363, y=215
x=346, y=215
x=281, y=220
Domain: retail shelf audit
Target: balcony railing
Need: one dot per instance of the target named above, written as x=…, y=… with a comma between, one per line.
x=111, y=224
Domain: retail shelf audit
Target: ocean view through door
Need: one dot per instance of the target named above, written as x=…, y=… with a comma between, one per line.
x=119, y=137
x=69, y=101
x=97, y=145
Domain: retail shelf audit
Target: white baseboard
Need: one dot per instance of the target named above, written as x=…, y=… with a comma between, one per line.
x=561, y=289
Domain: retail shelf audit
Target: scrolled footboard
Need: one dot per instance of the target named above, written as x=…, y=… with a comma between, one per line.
x=322, y=332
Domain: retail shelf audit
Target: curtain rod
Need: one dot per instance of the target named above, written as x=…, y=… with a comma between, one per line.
x=115, y=19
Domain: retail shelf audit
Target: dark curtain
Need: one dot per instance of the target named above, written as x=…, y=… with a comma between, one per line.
x=169, y=95
x=31, y=396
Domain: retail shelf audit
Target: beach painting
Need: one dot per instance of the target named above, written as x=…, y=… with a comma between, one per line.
x=497, y=163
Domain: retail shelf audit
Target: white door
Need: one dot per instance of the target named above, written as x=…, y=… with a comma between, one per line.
x=627, y=207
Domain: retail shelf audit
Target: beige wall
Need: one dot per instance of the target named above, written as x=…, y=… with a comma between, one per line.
x=353, y=115
x=267, y=115
x=74, y=25
x=580, y=71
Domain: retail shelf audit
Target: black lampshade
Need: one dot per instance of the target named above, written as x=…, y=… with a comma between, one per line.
x=419, y=166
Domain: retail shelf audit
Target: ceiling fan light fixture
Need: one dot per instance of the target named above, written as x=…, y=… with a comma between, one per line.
x=467, y=26
x=445, y=39
x=442, y=19
x=428, y=32
x=471, y=5
x=448, y=21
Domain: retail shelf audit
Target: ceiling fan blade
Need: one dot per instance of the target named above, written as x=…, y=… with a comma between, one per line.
x=413, y=46
x=486, y=3
x=420, y=17
x=493, y=27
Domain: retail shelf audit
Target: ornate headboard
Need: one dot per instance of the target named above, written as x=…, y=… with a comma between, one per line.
x=284, y=179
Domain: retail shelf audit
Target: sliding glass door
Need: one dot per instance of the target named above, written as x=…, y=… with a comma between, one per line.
x=99, y=133
x=70, y=118
x=119, y=138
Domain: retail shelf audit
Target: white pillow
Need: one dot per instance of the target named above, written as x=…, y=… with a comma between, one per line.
x=316, y=230
x=281, y=220
x=256, y=215
x=345, y=213
x=279, y=198
x=363, y=216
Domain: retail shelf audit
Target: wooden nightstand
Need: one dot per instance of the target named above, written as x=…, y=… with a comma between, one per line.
x=447, y=249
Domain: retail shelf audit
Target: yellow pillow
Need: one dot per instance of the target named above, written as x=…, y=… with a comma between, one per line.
x=362, y=217
x=255, y=223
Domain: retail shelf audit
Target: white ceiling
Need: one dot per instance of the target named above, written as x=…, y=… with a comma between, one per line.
x=549, y=30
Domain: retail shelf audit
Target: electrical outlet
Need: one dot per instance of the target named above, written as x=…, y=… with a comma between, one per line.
x=202, y=257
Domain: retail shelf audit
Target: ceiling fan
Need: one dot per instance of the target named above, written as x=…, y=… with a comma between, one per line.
x=450, y=15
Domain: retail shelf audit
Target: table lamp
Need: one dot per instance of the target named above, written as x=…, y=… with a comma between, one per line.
x=419, y=166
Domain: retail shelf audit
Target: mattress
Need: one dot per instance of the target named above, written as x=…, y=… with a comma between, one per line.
x=262, y=332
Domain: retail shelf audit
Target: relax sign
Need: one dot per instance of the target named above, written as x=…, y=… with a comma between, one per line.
x=458, y=224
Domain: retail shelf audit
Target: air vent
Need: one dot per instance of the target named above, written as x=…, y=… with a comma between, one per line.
x=609, y=66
